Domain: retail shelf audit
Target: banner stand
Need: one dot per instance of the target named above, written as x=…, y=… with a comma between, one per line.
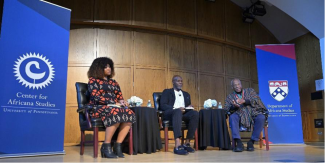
x=34, y=47
x=279, y=91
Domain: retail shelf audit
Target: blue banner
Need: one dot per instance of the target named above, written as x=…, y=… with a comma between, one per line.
x=34, y=45
x=278, y=88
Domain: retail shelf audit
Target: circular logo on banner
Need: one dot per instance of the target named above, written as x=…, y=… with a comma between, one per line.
x=34, y=71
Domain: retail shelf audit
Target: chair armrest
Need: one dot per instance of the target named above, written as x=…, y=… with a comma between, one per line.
x=266, y=119
x=160, y=115
x=160, y=112
x=84, y=108
x=88, y=120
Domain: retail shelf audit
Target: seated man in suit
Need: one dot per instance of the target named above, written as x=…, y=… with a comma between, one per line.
x=245, y=108
x=175, y=103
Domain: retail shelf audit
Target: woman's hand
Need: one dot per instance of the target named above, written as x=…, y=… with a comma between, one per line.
x=123, y=103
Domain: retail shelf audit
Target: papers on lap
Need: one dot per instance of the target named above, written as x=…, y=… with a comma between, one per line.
x=113, y=105
x=189, y=107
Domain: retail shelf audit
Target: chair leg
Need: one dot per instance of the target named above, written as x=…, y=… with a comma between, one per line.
x=95, y=142
x=261, y=139
x=182, y=137
x=166, y=139
x=82, y=142
x=196, y=141
x=131, y=141
x=266, y=138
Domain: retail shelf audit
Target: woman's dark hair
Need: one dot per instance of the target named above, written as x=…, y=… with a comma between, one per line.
x=96, y=70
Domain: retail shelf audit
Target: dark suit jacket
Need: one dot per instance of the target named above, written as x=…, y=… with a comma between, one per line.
x=167, y=99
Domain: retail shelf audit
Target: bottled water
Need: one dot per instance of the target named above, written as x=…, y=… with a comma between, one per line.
x=219, y=106
x=149, y=104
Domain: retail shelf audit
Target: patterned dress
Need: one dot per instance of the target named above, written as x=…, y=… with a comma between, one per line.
x=246, y=112
x=103, y=92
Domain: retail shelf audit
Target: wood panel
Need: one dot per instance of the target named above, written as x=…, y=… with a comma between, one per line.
x=211, y=87
x=254, y=85
x=309, y=69
x=181, y=15
x=81, y=10
x=236, y=30
x=244, y=83
x=124, y=76
x=210, y=56
x=71, y=126
x=72, y=129
x=113, y=11
x=305, y=125
x=82, y=46
x=319, y=104
x=150, y=49
x=147, y=81
x=309, y=131
x=116, y=44
x=150, y=13
x=211, y=19
x=252, y=66
x=189, y=84
x=181, y=52
x=75, y=74
x=260, y=35
x=237, y=63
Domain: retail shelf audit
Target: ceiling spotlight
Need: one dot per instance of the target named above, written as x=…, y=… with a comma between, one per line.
x=256, y=9
x=248, y=17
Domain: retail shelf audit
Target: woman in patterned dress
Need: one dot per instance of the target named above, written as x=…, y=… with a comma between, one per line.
x=103, y=91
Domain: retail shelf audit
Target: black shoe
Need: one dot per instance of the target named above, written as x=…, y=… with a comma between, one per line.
x=106, y=151
x=180, y=150
x=118, y=150
x=188, y=148
x=239, y=146
x=250, y=146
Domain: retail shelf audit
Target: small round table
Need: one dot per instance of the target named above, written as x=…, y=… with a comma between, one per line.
x=146, y=133
x=213, y=130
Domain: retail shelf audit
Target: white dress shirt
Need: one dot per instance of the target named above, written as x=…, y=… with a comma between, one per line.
x=179, y=99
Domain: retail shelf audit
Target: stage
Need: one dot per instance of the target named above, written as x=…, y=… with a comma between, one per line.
x=311, y=152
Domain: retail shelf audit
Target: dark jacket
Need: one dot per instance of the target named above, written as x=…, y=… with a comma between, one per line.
x=167, y=99
x=250, y=109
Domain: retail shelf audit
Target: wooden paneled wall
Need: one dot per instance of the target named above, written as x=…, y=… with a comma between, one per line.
x=150, y=41
x=309, y=69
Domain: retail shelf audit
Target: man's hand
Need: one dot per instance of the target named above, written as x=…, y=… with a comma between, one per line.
x=182, y=109
x=240, y=101
x=235, y=104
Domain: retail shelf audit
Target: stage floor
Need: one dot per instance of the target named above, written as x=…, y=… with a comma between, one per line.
x=311, y=152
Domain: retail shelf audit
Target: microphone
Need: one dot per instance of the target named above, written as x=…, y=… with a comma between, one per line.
x=179, y=95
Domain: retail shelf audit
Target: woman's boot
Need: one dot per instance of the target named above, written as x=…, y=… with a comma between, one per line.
x=106, y=151
x=118, y=149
